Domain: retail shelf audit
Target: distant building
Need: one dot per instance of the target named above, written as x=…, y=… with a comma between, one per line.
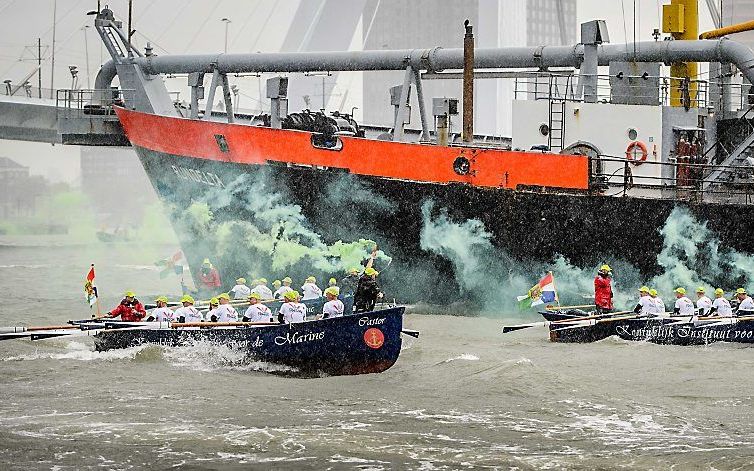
x=18, y=191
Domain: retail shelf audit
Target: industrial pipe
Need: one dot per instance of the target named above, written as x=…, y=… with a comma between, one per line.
x=720, y=32
x=468, y=83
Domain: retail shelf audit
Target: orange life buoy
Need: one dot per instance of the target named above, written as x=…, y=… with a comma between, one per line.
x=636, y=152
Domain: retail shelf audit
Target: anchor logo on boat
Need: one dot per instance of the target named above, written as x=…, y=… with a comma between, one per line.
x=374, y=338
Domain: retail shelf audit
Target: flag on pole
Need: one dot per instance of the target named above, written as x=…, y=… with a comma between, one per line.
x=541, y=293
x=90, y=291
x=172, y=264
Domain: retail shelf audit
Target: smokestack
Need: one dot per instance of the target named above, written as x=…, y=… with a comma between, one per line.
x=468, y=83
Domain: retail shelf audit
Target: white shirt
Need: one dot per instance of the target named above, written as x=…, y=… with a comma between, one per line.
x=258, y=313
x=293, y=312
x=704, y=303
x=240, y=292
x=333, y=308
x=723, y=307
x=190, y=314
x=647, y=305
x=659, y=305
x=164, y=314
x=746, y=305
x=281, y=291
x=685, y=306
x=263, y=291
x=226, y=313
x=311, y=291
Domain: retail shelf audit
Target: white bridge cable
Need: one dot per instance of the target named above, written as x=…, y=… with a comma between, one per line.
x=245, y=23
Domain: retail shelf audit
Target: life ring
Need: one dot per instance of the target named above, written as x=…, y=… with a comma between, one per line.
x=636, y=153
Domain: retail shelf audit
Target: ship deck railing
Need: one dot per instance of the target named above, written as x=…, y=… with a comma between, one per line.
x=91, y=103
x=678, y=180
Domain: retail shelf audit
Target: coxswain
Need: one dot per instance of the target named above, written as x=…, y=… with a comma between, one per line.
x=240, y=291
x=703, y=303
x=334, y=306
x=188, y=313
x=280, y=292
x=659, y=303
x=310, y=289
x=225, y=312
x=214, y=303
x=745, y=303
x=209, y=277
x=262, y=290
x=129, y=309
x=683, y=305
x=292, y=310
x=646, y=304
x=350, y=282
x=603, y=290
x=257, y=312
x=721, y=306
x=367, y=292
x=162, y=313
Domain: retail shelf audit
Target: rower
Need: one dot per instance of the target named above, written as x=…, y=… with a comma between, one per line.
x=368, y=291
x=745, y=304
x=262, y=289
x=332, y=282
x=188, y=313
x=349, y=283
x=334, y=306
x=683, y=305
x=703, y=303
x=213, y=305
x=257, y=312
x=721, y=306
x=276, y=286
x=646, y=304
x=162, y=313
x=129, y=309
x=292, y=310
x=240, y=291
x=310, y=289
x=603, y=290
x=225, y=312
x=659, y=303
x=280, y=292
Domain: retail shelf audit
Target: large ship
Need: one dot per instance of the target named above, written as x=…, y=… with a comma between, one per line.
x=595, y=166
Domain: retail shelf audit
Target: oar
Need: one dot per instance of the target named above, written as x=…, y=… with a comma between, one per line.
x=513, y=328
x=411, y=333
x=11, y=330
x=561, y=308
x=176, y=325
x=599, y=321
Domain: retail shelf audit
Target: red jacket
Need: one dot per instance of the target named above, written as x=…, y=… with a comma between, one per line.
x=603, y=292
x=211, y=279
x=133, y=312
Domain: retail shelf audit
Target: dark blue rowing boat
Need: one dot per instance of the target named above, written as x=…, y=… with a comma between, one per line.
x=358, y=344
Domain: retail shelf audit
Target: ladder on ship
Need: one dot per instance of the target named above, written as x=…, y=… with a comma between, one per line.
x=727, y=170
x=556, y=124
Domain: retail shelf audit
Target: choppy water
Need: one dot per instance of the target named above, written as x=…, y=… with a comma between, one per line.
x=461, y=396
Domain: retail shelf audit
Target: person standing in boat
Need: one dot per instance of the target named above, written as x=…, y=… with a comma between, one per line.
x=703, y=303
x=130, y=309
x=368, y=291
x=292, y=310
x=240, y=291
x=646, y=304
x=350, y=282
x=286, y=288
x=745, y=303
x=310, y=289
x=209, y=277
x=603, y=290
x=262, y=290
x=162, y=313
x=683, y=305
x=188, y=313
x=257, y=312
x=225, y=312
x=333, y=307
x=659, y=303
x=721, y=306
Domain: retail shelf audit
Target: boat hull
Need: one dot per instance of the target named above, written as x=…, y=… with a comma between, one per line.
x=349, y=345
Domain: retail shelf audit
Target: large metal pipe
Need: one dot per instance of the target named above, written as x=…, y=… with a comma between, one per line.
x=720, y=32
x=468, y=83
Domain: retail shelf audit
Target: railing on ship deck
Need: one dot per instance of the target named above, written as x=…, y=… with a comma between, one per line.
x=675, y=180
x=87, y=103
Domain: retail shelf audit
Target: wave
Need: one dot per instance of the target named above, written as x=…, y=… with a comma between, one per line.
x=463, y=356
x=82, y=352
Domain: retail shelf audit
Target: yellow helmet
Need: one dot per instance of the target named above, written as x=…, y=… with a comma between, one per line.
x=214, y=302
x=291, y=295
x=263, y=280
x=741, y=291
x=241, y=281
x=680, y=290
x=719, y=292
x=353, y=271
x=130, y=294
x=287, y=280
x=653, y=292
x=605, y=267
x=161, y=299
x=223, y=296
x=332, y=282
x=371, y=271
x=333, y=290
x=644, y=289
x=700, y=289
x=187, y=299
x=206, y=262
x=255, y=296
x=311, y=279
x=276, y=283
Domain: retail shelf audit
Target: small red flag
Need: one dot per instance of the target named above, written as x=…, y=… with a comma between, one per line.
x=90, y=275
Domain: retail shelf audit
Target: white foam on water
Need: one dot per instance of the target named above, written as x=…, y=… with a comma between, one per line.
x=140, y=267
x=207, y=356
x=81, y=352
x=463, y=356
